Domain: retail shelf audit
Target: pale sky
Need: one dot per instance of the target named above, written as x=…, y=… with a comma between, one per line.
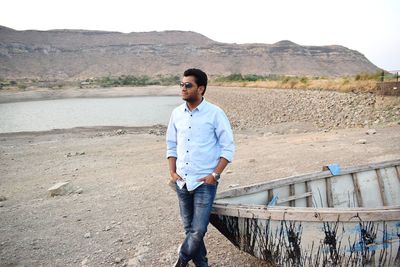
x=370, y=26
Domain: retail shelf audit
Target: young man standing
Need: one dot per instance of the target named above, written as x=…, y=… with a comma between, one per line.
x=199, y=147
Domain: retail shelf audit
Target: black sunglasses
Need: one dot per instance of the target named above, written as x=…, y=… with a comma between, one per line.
x=187, y=85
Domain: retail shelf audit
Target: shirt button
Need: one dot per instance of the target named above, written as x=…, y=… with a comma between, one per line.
x=191, y=115
x=187, y=163
x=187, y=151
x=185, y=174
x=190, y=127
x=188, y=139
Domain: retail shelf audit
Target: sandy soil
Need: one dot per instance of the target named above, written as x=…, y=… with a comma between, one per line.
x=126, y=215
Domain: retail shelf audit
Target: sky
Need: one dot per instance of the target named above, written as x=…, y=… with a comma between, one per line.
x=371, y=27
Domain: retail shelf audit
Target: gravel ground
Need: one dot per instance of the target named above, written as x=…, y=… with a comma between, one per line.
x=250, y=108
x=124, y=214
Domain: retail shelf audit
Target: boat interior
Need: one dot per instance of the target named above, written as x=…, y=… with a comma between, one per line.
x=369, y=186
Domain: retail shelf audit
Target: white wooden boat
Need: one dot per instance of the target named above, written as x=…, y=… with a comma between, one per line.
x=319, y=219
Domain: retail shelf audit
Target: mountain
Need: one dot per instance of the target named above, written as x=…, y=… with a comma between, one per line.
x=80, y=54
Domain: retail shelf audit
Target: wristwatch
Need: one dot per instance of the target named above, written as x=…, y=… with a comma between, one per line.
x=216, y=176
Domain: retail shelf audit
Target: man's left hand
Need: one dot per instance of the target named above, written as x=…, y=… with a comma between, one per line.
x=209, y=179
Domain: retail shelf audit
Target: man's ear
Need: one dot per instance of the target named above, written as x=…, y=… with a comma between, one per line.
x=201, y=89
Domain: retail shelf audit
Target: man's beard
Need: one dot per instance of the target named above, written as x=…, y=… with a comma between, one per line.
x=190, y=99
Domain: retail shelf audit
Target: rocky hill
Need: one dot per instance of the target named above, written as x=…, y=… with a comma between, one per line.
x=80, y=54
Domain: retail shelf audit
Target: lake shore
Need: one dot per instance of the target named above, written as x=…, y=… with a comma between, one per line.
x=124, y=213
x=18, y=95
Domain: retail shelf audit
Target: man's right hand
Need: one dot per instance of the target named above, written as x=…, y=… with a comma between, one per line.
x=175, y=177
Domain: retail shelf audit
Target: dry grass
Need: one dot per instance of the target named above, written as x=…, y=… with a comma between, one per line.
x=334, y=84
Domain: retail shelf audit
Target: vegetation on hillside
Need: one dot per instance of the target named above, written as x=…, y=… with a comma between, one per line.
x=364, y=82
x=109, y=81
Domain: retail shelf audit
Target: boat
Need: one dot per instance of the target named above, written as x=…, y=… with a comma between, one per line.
x=346, y=217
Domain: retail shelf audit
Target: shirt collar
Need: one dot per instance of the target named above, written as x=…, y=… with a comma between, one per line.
x=200, y=107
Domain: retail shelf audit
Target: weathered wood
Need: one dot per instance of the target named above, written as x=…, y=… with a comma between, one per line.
x=292, y=192
x=342, y=188
x=369, y=188
x=352, y=217
x=381, y=188
x=391, y=185
x=357, y=190
x=309, y=214
x=291, y=198
x=244, y=190
x=329, y=197
x=300, y=188
x=309, y=199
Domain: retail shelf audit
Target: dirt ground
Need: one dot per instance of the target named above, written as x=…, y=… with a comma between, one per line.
x=125, y=214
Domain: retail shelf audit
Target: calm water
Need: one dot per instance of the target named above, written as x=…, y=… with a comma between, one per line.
x=68, y=113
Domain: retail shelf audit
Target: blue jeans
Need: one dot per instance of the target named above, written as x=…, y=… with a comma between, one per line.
x=195, y=207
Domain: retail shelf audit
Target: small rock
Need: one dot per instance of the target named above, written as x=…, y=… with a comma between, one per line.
x=79, y=191
x=120, y=132
x=361, y=141
x=87, y=235
x=229, y=172
x=371, y=132
x=84, y=262
x=3, y=198
x=233, y=185
x=60, y=189
x=117, y=260
x=1, y=205
x=252, y=160
x=108, y=228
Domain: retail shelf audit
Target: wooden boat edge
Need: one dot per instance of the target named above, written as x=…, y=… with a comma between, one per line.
x=391, y=213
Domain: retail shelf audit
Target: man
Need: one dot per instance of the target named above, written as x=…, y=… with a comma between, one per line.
x=199, y=147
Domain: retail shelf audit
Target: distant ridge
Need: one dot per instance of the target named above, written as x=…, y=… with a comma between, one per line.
x=80, y=54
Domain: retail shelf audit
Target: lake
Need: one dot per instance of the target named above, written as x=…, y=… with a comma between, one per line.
x=46, y=115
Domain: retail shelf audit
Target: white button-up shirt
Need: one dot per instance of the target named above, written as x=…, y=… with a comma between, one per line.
x=198, y=139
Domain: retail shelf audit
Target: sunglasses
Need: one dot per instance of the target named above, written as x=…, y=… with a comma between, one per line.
x=187, y=85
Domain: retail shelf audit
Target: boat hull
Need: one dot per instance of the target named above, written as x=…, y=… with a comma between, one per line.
x=349, y=217
x=316, y=243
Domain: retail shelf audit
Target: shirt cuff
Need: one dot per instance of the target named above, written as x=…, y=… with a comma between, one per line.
x=172, y=154
x=227, y=155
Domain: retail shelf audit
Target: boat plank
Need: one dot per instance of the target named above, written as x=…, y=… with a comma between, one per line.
x=357, y=190
x=309, y=199
x=381, y=187
x=300, y=188
x=292, y=192
x=391, y=185
x=294, y=197
x=329, y=196
x=309, y=214
x=343, y=191
x=369, y=189
x=282, y=192
x=318, y=189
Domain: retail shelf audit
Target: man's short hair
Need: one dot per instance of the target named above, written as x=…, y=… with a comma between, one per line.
x=199, y=76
